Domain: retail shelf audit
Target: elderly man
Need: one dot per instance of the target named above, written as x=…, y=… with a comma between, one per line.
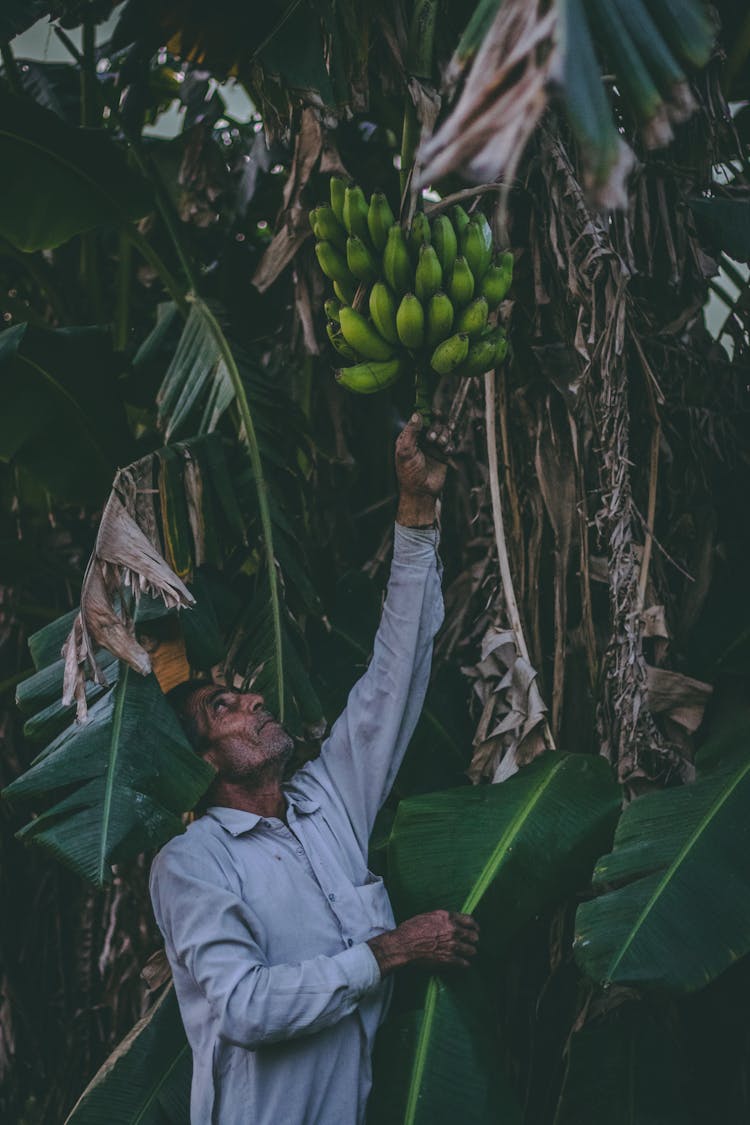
x=279, y=937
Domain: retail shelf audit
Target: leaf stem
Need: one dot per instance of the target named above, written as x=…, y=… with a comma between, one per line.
x=170, y=283
x=247, y=429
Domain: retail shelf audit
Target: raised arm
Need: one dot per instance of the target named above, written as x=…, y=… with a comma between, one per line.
x=360, y=758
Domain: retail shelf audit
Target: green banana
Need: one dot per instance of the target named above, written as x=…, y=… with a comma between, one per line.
x=327, y=227
x=481, y=356
x=419, y=234
x=476, y=249
x=439, y=318
x=460, y=220
x=379, y=220
x=355, y=214
x=479, y=219
x=337, y=339
x=363, y=336
x=461, y=284
x=367, y=378
x=312, y=216
x=473, y=319
x=332, y=307
x=396, y=264
x=410, y=322
x=445, y=242
x=497, y=281
x=450, y=354
x=383, y=311
x=333, y=264
x=345, y=291
x=360, y=260
x=501, y=349
x=337, y=188
x=428, y=276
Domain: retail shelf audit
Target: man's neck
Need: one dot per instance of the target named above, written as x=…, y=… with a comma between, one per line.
x=265, y=799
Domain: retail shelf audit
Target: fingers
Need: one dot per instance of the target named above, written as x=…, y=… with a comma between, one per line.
x=441, y=437
x=406, y=443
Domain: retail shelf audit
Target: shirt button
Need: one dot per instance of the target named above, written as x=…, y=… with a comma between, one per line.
x=300, y=851
x=332, y=897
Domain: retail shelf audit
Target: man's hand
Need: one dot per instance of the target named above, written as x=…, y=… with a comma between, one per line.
x=436, y=940
x=420, y=477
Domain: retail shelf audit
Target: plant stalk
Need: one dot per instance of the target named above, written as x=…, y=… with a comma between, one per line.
x=500, y=540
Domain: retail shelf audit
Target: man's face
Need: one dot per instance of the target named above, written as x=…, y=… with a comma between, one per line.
x=243, y=738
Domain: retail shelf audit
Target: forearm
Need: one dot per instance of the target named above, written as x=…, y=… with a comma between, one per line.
x=269, y=1004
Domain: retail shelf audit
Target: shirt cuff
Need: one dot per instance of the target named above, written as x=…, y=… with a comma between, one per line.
x=361, y=968
x=414, y=544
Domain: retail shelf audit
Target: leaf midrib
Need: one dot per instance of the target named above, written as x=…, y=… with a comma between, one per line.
x=669, y=872
x=473, y=899
x=260, y=486
x=114, y=745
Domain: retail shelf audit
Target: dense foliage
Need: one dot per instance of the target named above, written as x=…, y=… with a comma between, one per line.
x=185, y=486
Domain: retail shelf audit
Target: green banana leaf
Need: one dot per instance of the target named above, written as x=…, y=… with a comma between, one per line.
x=63, y=419
x=625, y=1067
x=501, y=852
x=146, y=1080
x=58, y=180
x=118, y=782
x=206, y=378
x=673, y=905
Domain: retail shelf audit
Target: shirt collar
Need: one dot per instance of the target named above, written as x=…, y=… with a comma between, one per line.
x=238, y=821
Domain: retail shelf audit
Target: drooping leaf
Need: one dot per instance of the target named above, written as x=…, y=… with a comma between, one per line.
x=120, y=780
x=146, y=1080
x=625, y=1067
x=207, y=377
x=62, y=418
x=64, y=180
x=673, y=908
x=504, y=852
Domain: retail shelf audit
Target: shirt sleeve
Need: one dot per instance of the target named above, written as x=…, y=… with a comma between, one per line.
x=359, y=760
x=208, y=931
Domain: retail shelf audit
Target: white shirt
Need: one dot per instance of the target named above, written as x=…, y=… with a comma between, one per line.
x=265, y=925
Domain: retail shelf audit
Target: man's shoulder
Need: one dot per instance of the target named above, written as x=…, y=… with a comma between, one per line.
x=196, y=851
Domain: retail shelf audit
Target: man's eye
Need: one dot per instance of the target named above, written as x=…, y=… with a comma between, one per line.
x=218, y=704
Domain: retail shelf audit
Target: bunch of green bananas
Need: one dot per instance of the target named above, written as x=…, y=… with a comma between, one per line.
x=428, y=291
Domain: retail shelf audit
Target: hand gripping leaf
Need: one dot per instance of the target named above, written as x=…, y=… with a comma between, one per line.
x=503, y=852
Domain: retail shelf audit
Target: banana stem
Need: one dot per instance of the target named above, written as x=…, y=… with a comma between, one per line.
x=423, y=397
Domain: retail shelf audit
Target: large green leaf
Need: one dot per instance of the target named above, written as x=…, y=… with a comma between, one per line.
x=503, y=852
x=146, y=1080
x=62, y=418
x=118, y=782
x=58, y=180
x=673, y=908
